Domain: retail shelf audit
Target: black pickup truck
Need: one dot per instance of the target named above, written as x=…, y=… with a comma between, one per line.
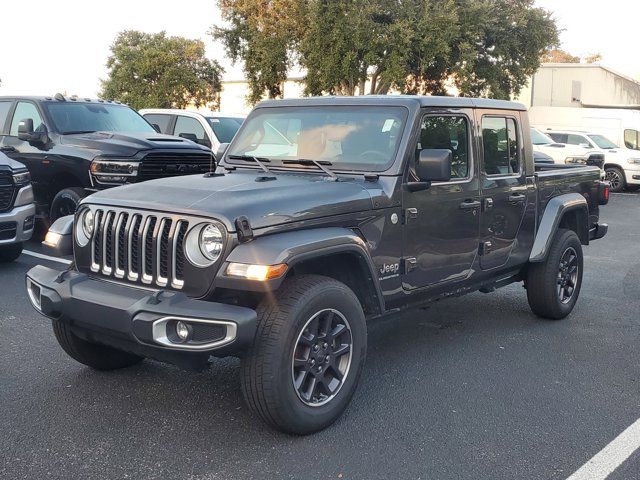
x=73, y=147
x=323, y=214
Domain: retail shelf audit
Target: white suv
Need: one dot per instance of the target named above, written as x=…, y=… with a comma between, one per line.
x=622, y=165
x=205, y=128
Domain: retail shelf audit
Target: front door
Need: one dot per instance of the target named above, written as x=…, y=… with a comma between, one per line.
x=504, y=189
x=441, y=223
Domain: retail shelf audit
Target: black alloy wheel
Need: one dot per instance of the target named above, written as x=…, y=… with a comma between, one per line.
x=322, y=357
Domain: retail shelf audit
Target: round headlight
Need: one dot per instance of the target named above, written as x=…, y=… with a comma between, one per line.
x=88, y=223
x=211, y=242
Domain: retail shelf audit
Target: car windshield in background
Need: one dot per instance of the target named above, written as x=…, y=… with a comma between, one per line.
x=69, y=118
x=539, y=138
x=603, y=142
x=345, y=137
x=225, y=128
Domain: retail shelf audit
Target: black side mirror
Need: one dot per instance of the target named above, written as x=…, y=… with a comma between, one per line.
x=189, y=136
x=434, y=165
x=222, y=149
x=25, y=129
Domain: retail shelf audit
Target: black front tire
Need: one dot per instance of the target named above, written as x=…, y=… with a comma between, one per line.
x=615, y=177
x=549, y=282
x=268, y=371
x=10, y=253
x=66, y=202
x=98, y=357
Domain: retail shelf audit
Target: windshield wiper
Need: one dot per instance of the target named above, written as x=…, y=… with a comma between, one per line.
x=318, y=163
x=259, y=161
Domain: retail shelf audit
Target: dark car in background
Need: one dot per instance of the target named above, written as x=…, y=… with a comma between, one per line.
x=74, y=147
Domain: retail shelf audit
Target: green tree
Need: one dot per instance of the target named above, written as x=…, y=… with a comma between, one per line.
x=260, y=34
x=557, y=55
x=154, y=70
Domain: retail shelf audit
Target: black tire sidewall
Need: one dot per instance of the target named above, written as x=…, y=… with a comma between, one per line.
x=9, y=253
x=300, y=417
x=68, y=194
x=565, y=240
x=623, y=182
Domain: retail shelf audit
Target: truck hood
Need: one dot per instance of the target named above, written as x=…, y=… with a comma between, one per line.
x=7, y=163
x=289, y=198
x=128, y=144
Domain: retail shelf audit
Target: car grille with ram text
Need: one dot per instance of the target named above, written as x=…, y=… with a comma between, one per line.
x=139, y=247
x=7, y=192
x=160, y=165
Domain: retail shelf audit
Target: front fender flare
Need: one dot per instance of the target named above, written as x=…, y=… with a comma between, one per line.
x=292, y=248
x=556, y=208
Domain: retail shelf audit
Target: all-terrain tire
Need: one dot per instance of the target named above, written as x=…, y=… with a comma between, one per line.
x=98, y=357
x=268, y=371
x=65, y=202
x=549, y=282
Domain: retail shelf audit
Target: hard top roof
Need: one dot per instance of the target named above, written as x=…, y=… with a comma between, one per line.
x=404, y=100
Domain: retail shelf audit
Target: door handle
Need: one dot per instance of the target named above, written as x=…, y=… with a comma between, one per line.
x=517, y=198
x=8, y=148
x=470, y=205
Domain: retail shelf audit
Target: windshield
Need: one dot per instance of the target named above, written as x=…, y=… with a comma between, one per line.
x=603, y=142
x=70, y=118
x=539, y=138
x=347, y=137
x=225, y=128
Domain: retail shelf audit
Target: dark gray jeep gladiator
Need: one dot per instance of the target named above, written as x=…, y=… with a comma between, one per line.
x=323, y=213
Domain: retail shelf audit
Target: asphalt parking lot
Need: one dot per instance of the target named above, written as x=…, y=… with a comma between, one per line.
x=470, y=388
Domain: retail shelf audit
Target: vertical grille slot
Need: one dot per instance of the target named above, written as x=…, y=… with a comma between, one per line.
x=121, y=244
x=178, y=254
x=133, y=239
x=107, y=243
x=96, y=248
x=147, y=249
x=162, y=256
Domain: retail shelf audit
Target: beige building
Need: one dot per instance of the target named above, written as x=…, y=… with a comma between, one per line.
x=233, y=97
x=575, y=85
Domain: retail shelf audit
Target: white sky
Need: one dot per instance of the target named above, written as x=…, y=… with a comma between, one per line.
x=51, y=46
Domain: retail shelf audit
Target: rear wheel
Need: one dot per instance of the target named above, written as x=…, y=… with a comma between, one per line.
x=65, y=202
x=615, y=177
x=98, y=357
x=9, y=253
x=553, y=286
x=307, y=356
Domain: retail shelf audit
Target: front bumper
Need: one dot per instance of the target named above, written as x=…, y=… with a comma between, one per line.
x=17, y=225
x=138, y=321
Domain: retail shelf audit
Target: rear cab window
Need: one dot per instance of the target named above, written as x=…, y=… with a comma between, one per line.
x=500, y=148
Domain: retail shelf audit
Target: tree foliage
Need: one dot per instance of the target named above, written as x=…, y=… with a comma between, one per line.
x=557, y=55
x=154, y=70
x=483, y=47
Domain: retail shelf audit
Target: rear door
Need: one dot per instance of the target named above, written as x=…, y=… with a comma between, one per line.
x=503, y=183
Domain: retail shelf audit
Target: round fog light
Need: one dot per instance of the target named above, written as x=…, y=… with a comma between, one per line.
x=182, y=331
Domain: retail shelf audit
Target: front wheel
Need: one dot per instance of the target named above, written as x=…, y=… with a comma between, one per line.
x=10, y=253
x=553, y=286
x=65, y=202
x=307, y=356
x=615, y=177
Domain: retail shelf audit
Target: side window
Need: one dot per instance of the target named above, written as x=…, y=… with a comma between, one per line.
x=500, y=146
x=4, y=113
x=448, y=133
x=632, y=139
x=23, y=111
x=190, y=128
x=578, y=140
x=560, y=137
x=161, y=120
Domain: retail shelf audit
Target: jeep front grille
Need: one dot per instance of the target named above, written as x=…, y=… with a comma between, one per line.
x=139, y=247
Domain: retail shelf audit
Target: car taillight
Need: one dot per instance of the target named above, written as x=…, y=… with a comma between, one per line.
x=603, y=193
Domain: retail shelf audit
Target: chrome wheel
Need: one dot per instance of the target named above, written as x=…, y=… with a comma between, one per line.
x=615, y=179
x=567, y=275
x=322, y=357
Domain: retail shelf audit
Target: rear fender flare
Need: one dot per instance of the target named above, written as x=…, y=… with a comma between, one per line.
x=555, y=210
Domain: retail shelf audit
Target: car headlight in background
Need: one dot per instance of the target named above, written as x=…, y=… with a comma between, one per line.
x=22, y=179
x=635, y=161
x=204, y=244
x=114, y=171
x=84, y=227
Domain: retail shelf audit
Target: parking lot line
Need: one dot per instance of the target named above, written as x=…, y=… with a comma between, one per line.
x=610, y=457
x=47, y=257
